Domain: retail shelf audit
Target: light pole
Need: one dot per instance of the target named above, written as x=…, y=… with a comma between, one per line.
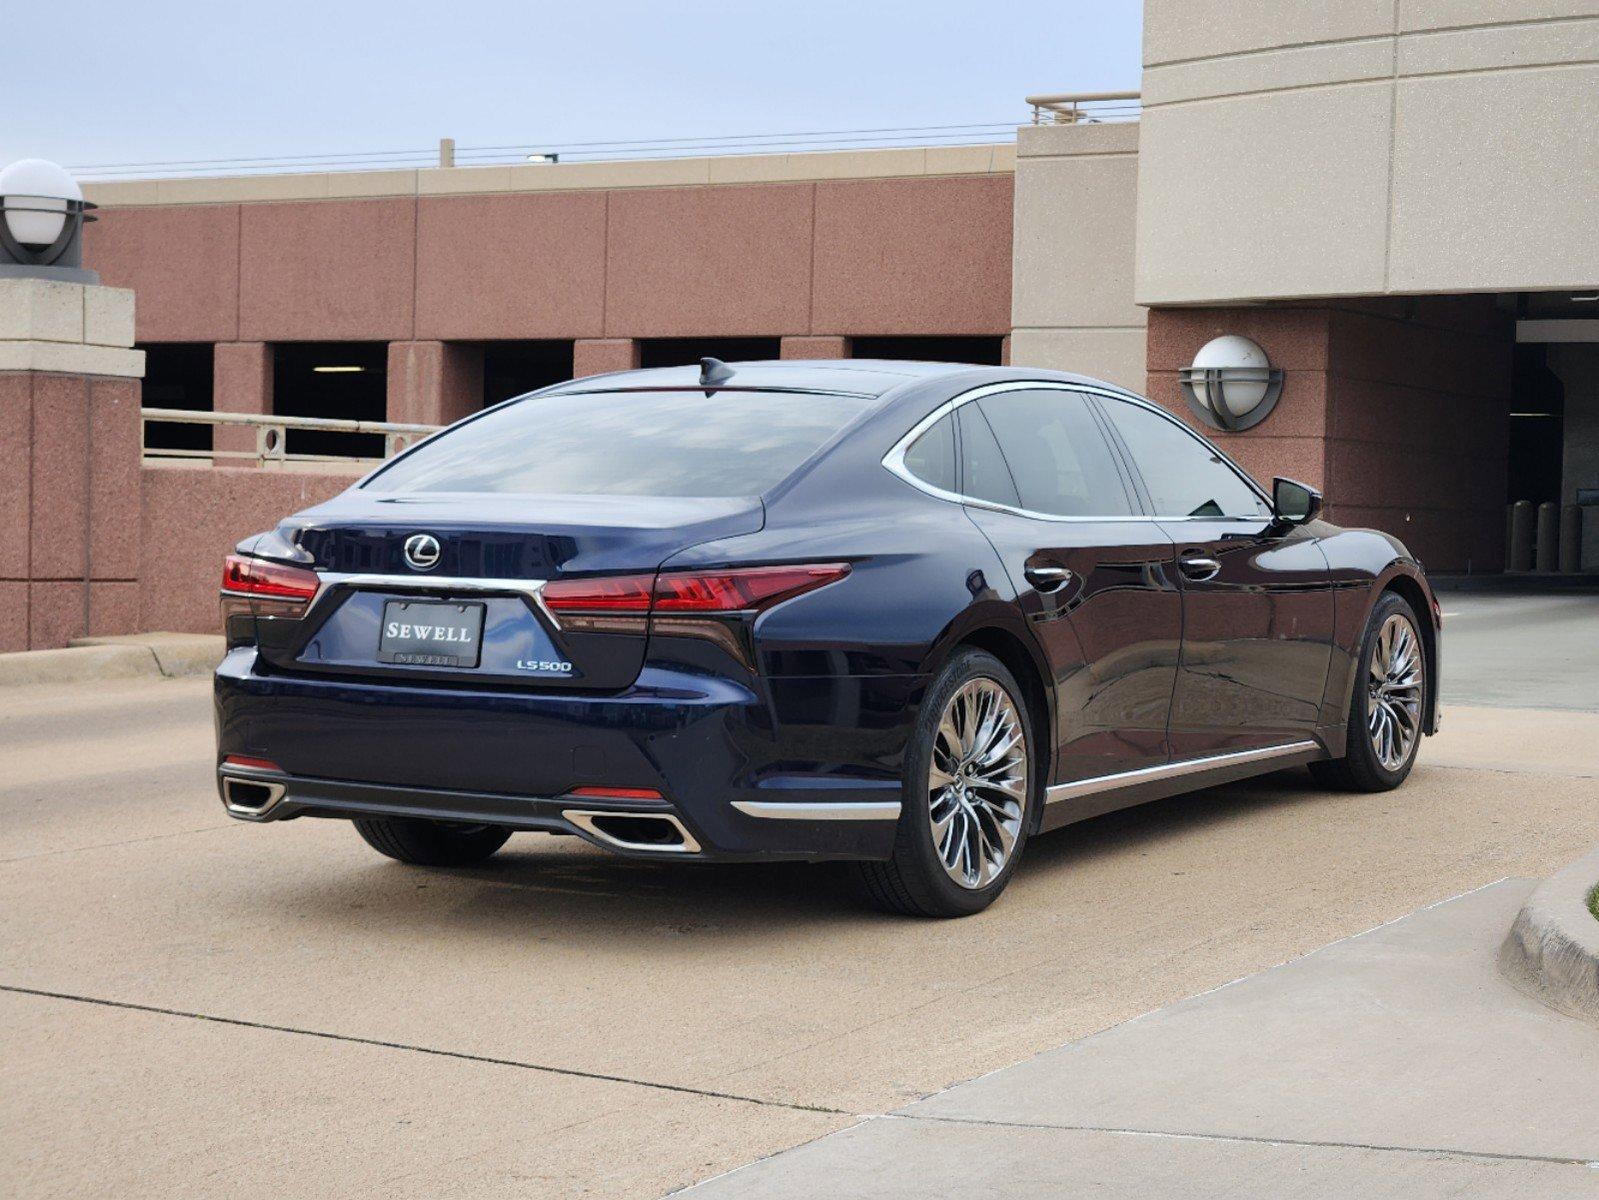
x=41, y=233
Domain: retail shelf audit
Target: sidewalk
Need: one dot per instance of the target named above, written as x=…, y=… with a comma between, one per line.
x=1394, y=1063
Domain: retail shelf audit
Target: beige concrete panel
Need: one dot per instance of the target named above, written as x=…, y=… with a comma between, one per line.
x=1274, y=195
x=447, y=181
x=862, y=164
x=242, y=188
x=1274, y=70
x=41, y=310
x=675, y=172
x=1002, y=159
x=753, y=168
x=108, y=316
x=1074, y=237
x=119, y=192
x=1451, y=14
x=69, y=359
x=1054, y=141
x=1175, y=30
x=346, y=185
x=958, y=160
x=1114, y=355
x=1497, y=47
x=1477, y=208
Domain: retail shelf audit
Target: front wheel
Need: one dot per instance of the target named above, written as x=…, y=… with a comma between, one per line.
x=431, y=843
x=968, y=795
x=1387, y=707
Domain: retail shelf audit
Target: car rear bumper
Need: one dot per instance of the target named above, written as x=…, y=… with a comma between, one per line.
x=807, y=770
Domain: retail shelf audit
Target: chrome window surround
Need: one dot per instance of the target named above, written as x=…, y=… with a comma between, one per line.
x=894, y=460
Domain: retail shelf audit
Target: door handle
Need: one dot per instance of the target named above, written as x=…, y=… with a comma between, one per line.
x=1199, y=567
x=1048, y=579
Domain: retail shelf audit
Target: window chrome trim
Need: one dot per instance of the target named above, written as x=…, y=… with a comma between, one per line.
x=894, y=460
x=1188, y=766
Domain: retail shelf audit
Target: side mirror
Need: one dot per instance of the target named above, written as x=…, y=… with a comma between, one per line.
x=1293, y=502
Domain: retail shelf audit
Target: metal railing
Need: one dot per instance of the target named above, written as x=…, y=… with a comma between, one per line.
x=1086, y=108
x=271, y=435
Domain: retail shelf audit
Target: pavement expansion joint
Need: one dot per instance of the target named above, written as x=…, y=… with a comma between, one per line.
x=460, y=1055
x=1186, y=1135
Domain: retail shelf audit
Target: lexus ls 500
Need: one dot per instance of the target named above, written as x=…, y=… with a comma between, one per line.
x=902, y=614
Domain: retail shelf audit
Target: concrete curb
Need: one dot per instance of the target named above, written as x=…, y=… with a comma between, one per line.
x=1552, y=951
x=146, y=655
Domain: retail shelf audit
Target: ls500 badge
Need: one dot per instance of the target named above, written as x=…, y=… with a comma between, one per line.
x=543, y=667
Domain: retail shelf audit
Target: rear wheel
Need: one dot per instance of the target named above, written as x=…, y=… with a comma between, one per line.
x=968, y=796
x=431, y=843
x=1387, y=707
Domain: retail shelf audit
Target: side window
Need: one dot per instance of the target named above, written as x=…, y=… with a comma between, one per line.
x=1184, y=475
x=1059, y=458
x=984, y=475
x=931, y=457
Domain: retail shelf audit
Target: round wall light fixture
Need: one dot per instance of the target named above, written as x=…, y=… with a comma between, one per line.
x=42, y=212
x=1231, y=385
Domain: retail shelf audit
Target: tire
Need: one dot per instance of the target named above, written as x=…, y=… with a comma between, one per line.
x=1363, y=767
x=431, y=843
x=982, y=808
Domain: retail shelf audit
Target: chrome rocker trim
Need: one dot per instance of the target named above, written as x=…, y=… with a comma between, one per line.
x=1187, y=766
x=854, y=810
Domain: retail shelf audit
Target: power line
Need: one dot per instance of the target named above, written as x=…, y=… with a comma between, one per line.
x=640, y=145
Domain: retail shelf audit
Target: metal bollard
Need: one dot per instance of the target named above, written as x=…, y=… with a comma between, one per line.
x=1548, y=549
x=1518, y=545
x=1571, y=539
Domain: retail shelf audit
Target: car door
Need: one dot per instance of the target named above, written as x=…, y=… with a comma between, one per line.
x=1256, y=598
x=1093, y=575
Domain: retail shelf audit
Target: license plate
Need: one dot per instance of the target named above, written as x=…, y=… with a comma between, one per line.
x=417, y=633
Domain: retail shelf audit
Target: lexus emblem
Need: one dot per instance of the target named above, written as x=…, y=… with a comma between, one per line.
x=422, y=551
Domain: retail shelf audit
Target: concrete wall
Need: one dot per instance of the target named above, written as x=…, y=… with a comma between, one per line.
x=1367, y=147
x=1072, y=304
x=1397, y=409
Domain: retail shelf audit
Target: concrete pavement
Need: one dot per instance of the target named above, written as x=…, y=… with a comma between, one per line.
x=1395, y=1063
x=194, y=1006
x=1522, y=651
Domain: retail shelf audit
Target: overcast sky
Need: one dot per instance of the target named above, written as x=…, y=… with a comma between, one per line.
x=108, y=81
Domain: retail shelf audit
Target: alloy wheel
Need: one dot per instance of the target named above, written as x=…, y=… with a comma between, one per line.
x=1394, y=692
x=977, y=783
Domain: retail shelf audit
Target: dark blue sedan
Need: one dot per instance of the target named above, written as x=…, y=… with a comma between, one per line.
x=902, y=614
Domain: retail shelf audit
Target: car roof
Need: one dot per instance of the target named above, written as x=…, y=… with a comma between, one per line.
x=854, y=376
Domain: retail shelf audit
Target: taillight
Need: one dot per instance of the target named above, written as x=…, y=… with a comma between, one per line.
x=270, y=581
x=736, y=589
x=612, y=593
x=741, y=588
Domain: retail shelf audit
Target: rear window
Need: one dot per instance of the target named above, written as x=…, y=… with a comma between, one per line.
x=728, y=443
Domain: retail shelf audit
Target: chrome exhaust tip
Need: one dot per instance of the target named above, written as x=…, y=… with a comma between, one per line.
x=658, y=833
x=250, y=798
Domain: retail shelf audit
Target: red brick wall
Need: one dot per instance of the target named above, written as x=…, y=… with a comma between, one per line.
x=1397, y=408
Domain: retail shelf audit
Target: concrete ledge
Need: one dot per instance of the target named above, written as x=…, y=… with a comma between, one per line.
x=1553, y=948
x=151, y=655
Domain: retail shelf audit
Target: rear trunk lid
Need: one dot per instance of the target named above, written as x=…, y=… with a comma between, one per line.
x=471, y=610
